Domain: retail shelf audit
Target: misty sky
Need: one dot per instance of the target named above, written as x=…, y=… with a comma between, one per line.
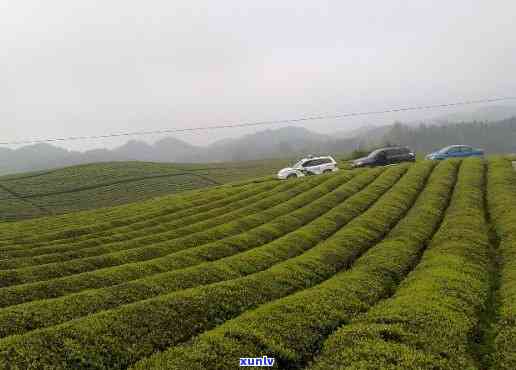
x=97, y=67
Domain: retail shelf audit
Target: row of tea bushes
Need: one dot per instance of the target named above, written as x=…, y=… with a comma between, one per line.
x=249, y=252
x=293, y=328
x=429, y=321
x=172, y=218
x=166, y=243
x=502, y=208
x=119, y=337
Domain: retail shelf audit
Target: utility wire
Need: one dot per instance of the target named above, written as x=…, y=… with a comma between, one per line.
x=258, y=123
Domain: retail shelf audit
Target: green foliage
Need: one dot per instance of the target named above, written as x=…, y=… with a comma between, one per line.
x=502, y=208
x=291, y=329
x=119, y=337
x=189, y=257
x=429, y=321
x=55, y=250
x=165, y=243
x=107, y=184
x=245, y=253
x=83, y=223
x=370, y=268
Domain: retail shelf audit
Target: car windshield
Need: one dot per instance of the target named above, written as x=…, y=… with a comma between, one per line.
x=445, y=150
x=298, y=164
x=374, y=153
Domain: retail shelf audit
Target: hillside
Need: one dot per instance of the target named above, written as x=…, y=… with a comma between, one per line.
x=394, y=267
x=278, y=143
x=107, y=184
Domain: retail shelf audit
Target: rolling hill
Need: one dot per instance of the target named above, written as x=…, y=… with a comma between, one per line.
x=107, y=184
x=283, y=142
x=410, y=266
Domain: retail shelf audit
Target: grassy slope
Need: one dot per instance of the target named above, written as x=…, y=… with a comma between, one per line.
x=93, y=186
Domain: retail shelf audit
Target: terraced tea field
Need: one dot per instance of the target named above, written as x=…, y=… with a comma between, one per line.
x=108, y=184
x=403, y=267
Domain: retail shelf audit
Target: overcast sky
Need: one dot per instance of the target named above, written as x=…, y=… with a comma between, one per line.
x=97, y=67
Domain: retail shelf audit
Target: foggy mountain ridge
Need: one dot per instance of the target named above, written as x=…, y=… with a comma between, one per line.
x=271, y=143
x=284, y=142
x=485, y=114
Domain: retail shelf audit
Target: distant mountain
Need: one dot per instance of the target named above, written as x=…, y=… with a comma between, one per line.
x=282, y=142
x=287, y=142
x=133, y=150
x=6, y=164
x=374, y=135
x=35, y=157
x=277, y=143
x=178, y=150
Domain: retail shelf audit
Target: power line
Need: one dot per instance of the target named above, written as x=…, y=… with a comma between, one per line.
x=258, y=123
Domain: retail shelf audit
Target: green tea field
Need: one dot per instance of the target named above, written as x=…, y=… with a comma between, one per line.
x=411, y=266
x=109, y=184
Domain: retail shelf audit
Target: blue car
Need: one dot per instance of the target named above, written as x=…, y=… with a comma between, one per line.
x=455, y=151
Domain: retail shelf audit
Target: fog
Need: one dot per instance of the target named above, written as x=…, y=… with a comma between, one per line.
x=98, y=67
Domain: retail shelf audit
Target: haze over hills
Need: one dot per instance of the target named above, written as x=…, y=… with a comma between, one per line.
x=286, y=142
x=279, y=143
x=485, y=114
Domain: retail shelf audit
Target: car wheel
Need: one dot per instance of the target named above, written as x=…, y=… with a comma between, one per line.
x=327, y=171
x=292, y=176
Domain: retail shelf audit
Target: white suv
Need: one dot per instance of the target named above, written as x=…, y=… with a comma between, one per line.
x=309, y=166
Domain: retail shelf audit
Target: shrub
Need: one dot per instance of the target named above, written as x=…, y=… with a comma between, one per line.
x=502, y=201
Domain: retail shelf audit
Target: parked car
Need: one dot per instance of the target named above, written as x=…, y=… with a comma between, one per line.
x=385, y=156
x=309, y=166
x=455, y=151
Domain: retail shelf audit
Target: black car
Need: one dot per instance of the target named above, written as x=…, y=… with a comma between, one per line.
x=385, y=156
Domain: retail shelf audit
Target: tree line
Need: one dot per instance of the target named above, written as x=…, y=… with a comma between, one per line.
x=494, y=137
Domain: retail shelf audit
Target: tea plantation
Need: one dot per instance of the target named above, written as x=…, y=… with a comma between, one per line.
x=410, y=266
x=97, y=185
